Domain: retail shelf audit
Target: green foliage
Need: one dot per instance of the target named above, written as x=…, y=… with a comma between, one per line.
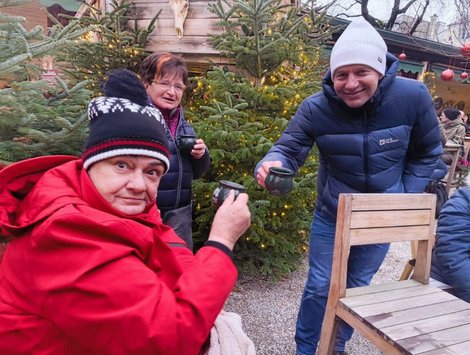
x=241, y=110
x=263, y=34
x=38, y=117
x=114, y=41
x=239, y=123
x=19, y=45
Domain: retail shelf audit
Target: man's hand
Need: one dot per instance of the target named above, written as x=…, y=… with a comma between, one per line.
x=231, y=220
x=263, y=171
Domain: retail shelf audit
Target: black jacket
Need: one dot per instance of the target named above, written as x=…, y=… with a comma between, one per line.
x=175, y=187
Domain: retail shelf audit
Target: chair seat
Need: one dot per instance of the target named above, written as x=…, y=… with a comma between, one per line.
x=413, y=318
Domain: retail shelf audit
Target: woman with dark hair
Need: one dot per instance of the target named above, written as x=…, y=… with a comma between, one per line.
x=165, y=77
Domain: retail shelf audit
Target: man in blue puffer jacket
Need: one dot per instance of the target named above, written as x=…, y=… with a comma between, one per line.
x=451, y=254
x=375, y=133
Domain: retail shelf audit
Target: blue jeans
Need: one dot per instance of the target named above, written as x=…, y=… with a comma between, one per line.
x=364, y=261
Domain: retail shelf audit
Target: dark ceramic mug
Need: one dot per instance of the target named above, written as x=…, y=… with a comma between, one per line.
x=279, y=181
x=186, y=143
x=221, y=192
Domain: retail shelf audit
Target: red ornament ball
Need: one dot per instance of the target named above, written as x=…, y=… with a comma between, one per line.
x=464, y=75
x=465, y=50
x=402, y=56
x=447, y=75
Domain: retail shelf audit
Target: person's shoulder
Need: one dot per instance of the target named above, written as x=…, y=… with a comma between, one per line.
x=458, y=201
x=314, y=99
x=409, y=84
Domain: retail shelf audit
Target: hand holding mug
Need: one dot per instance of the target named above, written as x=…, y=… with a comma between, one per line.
x=186, y=143
x=222, y=191
x=263, y=171
x=199, y=149
x=279, y=181
x=231, y=220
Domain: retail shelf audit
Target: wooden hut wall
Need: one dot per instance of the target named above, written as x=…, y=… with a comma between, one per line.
x=32, y=12
x=200, y=24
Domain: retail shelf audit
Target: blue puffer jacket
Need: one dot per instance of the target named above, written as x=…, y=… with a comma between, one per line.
x=391, y=144
x=451, y=255
x=174, y=190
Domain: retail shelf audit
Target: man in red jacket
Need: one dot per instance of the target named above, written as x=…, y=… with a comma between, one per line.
x=90, y=268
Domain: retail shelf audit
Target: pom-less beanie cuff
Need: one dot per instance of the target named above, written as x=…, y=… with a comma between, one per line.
x=122, y=147
x=360, y=43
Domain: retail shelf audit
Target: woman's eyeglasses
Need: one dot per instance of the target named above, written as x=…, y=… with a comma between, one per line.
x=167, y=86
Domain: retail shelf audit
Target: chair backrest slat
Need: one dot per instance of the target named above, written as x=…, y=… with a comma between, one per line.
x=365, y=236
x=377, y=202
x=390, y=218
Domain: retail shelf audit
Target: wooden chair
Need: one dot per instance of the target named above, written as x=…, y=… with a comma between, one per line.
x=401, y=317
x=407, y=271
x=451, y=179
x=466, y=147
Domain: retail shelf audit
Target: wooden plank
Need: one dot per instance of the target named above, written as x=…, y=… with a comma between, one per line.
x=375, y=219
x=423, y=260
x=398, y=294
x=393, y=285
x=146, y=11
x=389, y=234
x=428, y=325
x=371, y=334
x=399, y=305
x=409, y=315
x=193, y=45
x=31, y=12
x=192, y=27
x=193, y=2
x=437, y=340
x=456, y=349
x=364, y=202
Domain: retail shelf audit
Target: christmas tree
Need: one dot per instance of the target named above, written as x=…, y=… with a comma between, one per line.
x=241, y=110
x=38, y=116
x=115, y=41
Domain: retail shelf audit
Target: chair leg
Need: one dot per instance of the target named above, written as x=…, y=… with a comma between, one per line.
x=329, y=331
x=405, y=275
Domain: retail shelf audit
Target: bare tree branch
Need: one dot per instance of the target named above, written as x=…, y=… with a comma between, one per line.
x=419, y=19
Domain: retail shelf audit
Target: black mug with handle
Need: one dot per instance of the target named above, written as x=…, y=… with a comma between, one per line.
x=221, y=192
x=279, y=181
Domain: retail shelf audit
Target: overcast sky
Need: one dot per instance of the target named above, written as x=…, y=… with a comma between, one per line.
x=381, y=9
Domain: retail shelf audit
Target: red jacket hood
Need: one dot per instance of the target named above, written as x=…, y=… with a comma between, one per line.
x=16, y=182
x=25, y=186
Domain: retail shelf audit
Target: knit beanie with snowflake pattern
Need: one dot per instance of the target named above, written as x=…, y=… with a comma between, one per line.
x=122, y=125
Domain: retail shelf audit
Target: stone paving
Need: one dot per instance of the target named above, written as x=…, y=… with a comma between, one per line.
x=269, y=309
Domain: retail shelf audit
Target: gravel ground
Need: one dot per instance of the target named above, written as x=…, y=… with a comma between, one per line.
x=269, y=309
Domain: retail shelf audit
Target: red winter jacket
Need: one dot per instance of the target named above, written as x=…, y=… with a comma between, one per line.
x=79, y=277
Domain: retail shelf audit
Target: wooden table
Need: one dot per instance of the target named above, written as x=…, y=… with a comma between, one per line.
x=450, y=179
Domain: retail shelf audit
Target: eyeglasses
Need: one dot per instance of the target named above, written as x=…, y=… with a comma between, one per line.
x=179, y=88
